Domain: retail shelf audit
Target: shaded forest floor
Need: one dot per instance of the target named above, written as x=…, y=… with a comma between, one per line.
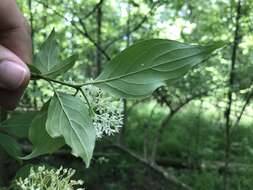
x=192, y=149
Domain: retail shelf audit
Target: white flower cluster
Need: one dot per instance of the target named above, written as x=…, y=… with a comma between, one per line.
x=108, y=118
x=44, y=179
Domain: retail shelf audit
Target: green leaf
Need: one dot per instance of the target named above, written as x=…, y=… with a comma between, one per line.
x=140, y=69
x=10, y=145
x=47, y=61
x=45, y=106
x=18, y=125
x=68, y=117
x=33, y=69
x=48, y=55
x=63, y=67
x=42, y=142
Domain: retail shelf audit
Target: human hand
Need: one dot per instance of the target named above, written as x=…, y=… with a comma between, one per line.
x=15, y=52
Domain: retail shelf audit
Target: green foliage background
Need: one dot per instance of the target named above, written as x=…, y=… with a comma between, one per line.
x=192, y=145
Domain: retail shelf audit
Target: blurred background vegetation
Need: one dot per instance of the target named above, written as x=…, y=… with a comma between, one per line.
x=195, y=134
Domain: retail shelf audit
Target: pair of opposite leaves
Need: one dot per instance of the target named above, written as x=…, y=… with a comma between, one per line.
x=135, y=73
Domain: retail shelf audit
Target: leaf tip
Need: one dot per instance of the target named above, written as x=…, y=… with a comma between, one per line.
x=217, y=45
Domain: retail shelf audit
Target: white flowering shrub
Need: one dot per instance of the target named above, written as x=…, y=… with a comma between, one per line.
x=45, y=179
x=108, y=111
x=78, y=121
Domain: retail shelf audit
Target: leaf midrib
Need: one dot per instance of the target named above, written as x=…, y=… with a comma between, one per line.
x=69, y=121
x=145, y=69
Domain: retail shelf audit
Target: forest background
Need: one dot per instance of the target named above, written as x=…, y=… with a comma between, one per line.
x=194, y=134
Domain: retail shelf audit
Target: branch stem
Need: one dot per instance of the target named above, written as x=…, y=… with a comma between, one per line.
x=40, y=77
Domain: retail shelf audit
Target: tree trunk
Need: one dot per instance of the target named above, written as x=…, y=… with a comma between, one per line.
x=35, y=102
x=128, y=38
x=227, y=113
x=99, y=15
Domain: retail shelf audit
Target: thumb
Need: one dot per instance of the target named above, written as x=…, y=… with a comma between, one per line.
x=14, y=74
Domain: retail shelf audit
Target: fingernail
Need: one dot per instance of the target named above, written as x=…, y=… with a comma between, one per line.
x=12, y=75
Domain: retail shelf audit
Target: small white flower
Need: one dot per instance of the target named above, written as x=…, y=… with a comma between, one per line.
x=108, y=118
x=54, y=178
x=80, y=182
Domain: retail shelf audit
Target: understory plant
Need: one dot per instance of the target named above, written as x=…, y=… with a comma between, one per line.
x=94, y=108
x=48, y=179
